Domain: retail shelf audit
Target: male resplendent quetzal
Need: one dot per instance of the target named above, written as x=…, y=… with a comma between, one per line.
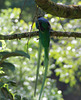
x=44, y=38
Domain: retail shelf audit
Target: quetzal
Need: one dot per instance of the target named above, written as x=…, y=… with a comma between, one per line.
x=44, y=39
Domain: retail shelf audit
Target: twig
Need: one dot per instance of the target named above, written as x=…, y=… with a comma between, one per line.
x=62, y=25
x=36, y=33
x=36, y=13
x=22, y=9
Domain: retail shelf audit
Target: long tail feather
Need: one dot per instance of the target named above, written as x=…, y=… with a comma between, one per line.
x=46, y=50
x=38, y=65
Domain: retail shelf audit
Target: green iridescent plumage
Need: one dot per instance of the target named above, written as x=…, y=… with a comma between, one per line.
x=44, y=38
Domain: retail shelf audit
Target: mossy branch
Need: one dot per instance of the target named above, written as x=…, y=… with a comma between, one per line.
x=32, y=34
x=59, y=10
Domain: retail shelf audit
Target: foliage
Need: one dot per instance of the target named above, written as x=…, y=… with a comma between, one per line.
x=17, y=74
x=24, y=75
x=29, y=7
x=66, y=52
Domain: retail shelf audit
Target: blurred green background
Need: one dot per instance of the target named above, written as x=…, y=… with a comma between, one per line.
x=17, y=81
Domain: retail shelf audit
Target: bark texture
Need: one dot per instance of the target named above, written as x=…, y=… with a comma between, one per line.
x=36, y=33
x=59, y=10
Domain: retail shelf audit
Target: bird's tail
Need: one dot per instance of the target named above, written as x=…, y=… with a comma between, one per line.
x=38, y=65
x=46, y=59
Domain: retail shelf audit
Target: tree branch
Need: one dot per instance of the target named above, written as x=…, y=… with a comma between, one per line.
x=59, y=10
x=32, y=34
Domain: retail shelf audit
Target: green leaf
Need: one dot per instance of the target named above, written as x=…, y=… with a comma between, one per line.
x=11, y=54
x=6, y=93
x=17, y=97
x=3, y=74
x=3, y=53
x=7, y=66
x=13, y=83
x=24, y=98
x=1, y=84
x=0, y=44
